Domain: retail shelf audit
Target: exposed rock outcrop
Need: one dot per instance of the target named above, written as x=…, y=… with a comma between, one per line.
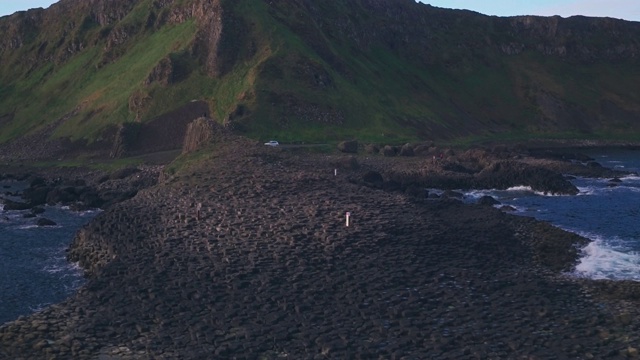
x=199, y=132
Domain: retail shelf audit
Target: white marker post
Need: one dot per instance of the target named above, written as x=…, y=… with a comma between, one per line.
x=335, y=172
x=348, y=215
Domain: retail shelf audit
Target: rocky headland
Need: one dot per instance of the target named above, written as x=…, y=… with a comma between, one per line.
x=247, y=255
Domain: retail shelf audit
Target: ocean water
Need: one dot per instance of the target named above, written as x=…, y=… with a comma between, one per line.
x=608, y=215
x=34, y=272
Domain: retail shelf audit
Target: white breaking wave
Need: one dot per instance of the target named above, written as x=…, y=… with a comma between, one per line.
x=632, y=177
x=529, y=189
x=588, y=190
x=477, y=194
x=521, y=188
x=27, y=227
x=39, y=307
x=603, y=259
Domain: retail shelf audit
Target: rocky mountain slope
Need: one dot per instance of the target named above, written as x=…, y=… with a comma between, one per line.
x=75, y=78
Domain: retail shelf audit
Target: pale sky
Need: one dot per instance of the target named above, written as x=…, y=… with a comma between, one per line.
x=8, y=7
x=620, y=9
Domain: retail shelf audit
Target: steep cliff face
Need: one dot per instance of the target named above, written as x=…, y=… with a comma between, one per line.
x=68, y=27
x=577, y=38
x=391, y=70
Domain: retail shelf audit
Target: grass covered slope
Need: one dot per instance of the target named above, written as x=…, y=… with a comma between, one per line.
x=392, y=70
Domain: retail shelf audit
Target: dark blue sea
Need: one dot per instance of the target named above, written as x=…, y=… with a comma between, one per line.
x=34, y=272
x=608, y=215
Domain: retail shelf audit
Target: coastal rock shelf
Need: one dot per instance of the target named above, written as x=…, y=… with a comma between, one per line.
x=267, y=268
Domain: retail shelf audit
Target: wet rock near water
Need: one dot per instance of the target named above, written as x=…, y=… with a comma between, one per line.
x=16, y=205
x=45, y=222
x=488, y=200
x=103, y=191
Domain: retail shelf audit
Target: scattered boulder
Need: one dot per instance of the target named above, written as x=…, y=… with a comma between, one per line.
x=389, y=150
x=36, y=195
x=350, y=146
x=407, y=150
x=15, y=205
x=45, y=222
x=488, y=200
x=582, y=157
x=372, y=149
x=421, y=150
x=63, y=195
x=90, y=198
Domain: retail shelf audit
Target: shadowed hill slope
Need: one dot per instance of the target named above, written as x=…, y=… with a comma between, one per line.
x=392, y=70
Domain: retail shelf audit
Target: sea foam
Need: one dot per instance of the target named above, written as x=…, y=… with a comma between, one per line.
x=602, y=259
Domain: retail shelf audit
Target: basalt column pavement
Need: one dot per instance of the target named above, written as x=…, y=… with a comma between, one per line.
x=267, y=268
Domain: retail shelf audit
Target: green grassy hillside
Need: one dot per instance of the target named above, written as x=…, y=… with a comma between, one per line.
x=384, y=71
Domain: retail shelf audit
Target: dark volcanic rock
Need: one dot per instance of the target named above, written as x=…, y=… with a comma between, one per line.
x=371, y=149
x=488, y=200
x=416, y=191
x=90, y=198
x=37, y=210
x=36, y=195
x=14, y=205
x=452, y=194
x=61, y=195
x=505, y=174
x=350, y=146
x=373, y=177
x=268, y=260
x=389, y=150
x=111, y=197
x=391, y=185
x=123, y=173
x=407, y=150
x=347, y=163
x=37, y=182
x=45, y=222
